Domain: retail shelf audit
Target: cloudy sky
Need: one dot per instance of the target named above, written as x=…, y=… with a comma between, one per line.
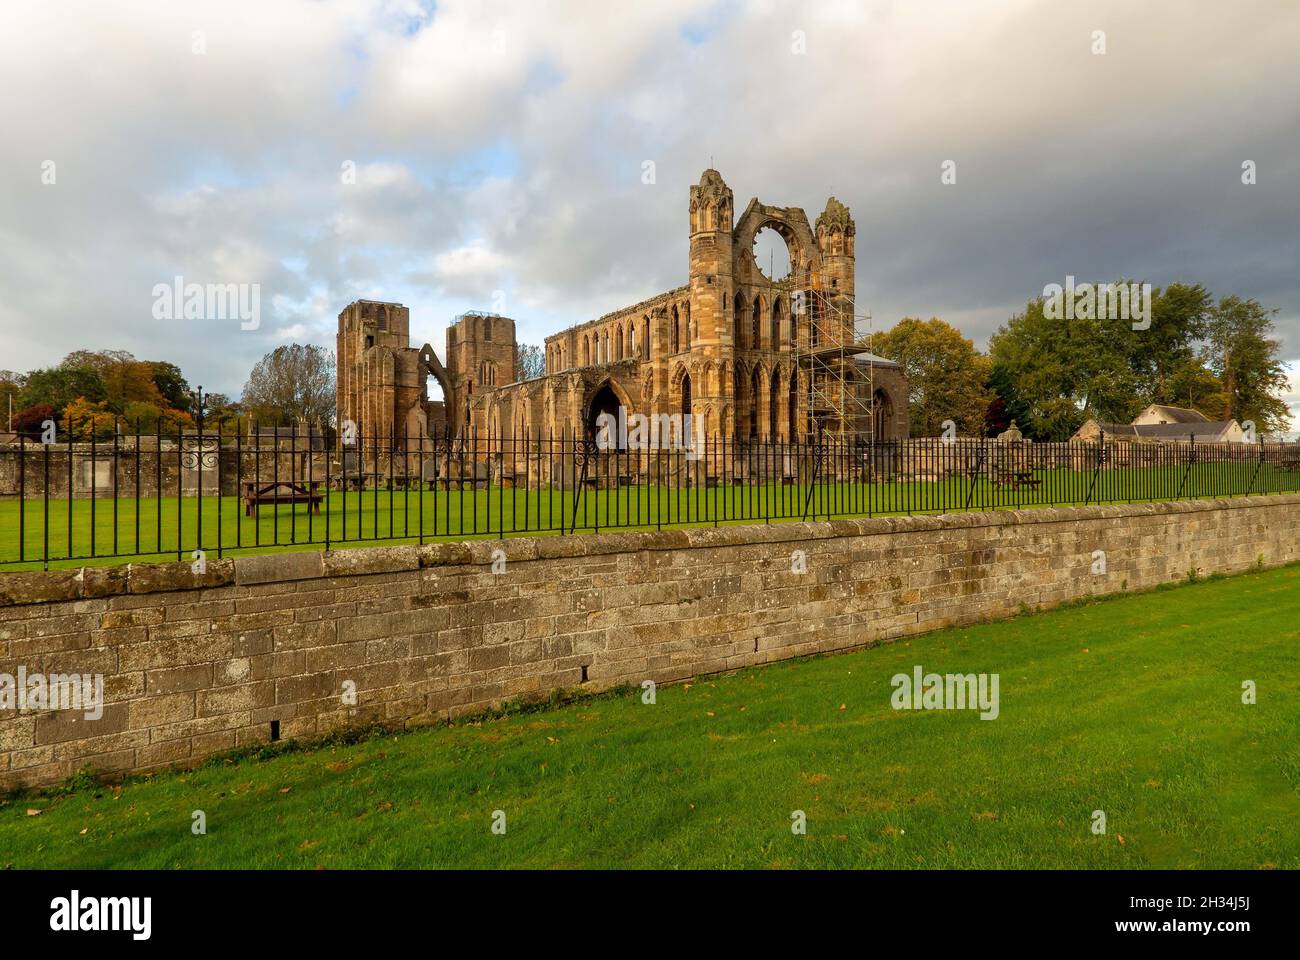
x=470, y=154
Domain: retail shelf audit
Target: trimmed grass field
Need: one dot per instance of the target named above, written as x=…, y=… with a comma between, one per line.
x=1132, y=706
x=107, y=531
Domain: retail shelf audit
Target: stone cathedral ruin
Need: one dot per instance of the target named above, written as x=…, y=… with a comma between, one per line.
x=755, y=359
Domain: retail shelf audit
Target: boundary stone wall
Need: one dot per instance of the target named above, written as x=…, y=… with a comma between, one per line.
x=197, y=665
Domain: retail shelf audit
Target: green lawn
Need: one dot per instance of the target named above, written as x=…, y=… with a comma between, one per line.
x=168, y=527
x=1131, y=706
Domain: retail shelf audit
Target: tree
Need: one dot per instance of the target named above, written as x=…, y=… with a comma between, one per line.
x=1240, y=354
x=1065, y=371
x=530, y=361
x=220, y=412
x=98, y=360
x=30, y=422
x=60, y=386
x=1193, y=385
x=1005, y=406
x=84, y=420
x=152, y=418
x=11, y=386
x=945, y=372
x=131, y=382
x=1178, y=317
x=175, y=389
x=290, y=383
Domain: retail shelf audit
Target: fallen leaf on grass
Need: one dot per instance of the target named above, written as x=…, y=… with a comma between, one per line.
x=32, y=812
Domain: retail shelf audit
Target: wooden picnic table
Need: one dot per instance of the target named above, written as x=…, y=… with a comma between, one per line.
x=281, y=492
x=1015, y=479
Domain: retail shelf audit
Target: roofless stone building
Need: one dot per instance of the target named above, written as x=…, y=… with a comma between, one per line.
x=761, y=358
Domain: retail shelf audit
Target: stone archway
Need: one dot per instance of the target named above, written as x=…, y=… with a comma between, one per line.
x=882, y=412
x=606, y=398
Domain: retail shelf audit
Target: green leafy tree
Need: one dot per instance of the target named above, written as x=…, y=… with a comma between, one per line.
x=152, y=418
x=1179, y=316
x=1005, y=405
x=220, y=411
x=945, y=372
x=175, y=389
x=1065, y=371
x=60, y=386
x=1193, y=385
x=1240, y=353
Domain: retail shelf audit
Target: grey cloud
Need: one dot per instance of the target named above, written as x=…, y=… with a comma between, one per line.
x=1100, y=166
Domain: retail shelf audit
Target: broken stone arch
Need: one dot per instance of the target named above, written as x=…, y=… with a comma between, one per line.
x=430, y=363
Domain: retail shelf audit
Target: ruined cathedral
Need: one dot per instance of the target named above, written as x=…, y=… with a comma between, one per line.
x=761, y=359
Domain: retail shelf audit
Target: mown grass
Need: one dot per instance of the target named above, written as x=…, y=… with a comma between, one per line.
x=1132, y=706
x=107, y=531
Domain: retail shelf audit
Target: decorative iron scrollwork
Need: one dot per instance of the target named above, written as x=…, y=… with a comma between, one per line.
x=199, y=453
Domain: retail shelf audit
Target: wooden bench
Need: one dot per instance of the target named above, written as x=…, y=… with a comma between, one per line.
x=357, y=481
x=282, y=492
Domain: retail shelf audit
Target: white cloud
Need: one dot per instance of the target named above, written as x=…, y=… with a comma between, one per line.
x=499, y=145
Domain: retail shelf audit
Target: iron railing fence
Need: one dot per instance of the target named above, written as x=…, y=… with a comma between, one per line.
x=85, y=496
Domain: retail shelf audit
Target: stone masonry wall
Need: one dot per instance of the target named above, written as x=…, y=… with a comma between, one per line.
x=196, y=665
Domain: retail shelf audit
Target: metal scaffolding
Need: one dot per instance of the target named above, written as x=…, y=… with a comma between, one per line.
x=829, y=357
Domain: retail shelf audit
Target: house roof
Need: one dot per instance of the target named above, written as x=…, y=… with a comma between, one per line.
x=1115, y=429
x=1178, y=431
x=1207, y=430
x=872, y=360
x=1178, y=414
